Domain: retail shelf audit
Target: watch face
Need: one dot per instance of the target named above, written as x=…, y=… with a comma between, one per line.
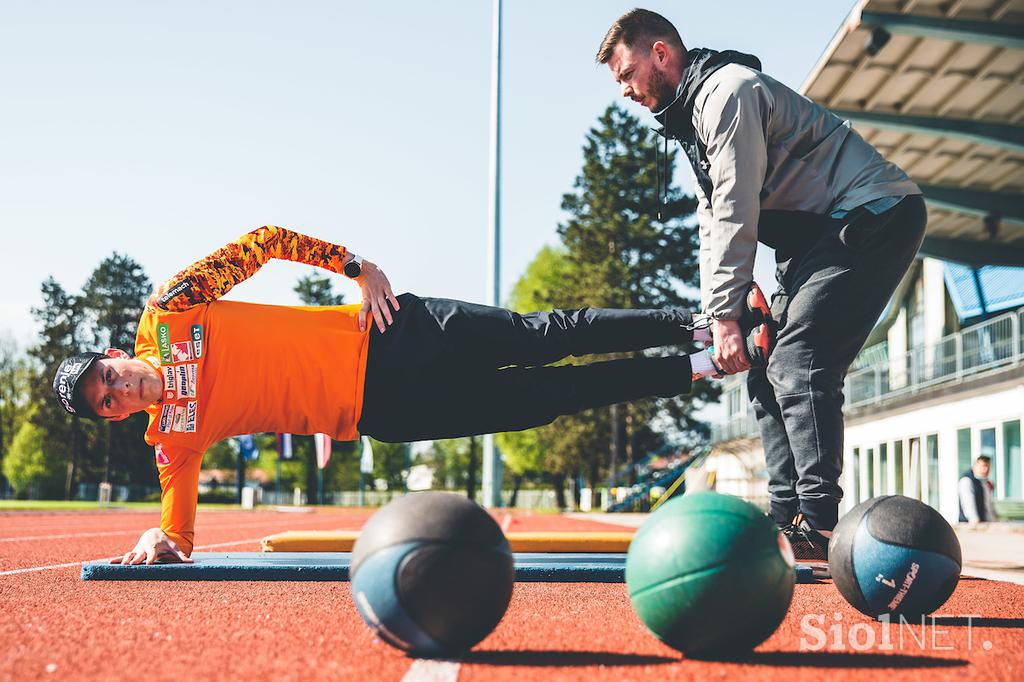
x=352, y=269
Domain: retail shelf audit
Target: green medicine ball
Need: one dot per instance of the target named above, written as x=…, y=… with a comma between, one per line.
x=710, y=575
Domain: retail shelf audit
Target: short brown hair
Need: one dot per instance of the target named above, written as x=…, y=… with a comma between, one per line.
x=634, y=26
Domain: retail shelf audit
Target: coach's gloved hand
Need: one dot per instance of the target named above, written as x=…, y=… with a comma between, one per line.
x=377, y=295
x=154, y=545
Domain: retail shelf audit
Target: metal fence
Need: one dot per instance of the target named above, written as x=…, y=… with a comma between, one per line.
x=543, y=499
x=984, y=347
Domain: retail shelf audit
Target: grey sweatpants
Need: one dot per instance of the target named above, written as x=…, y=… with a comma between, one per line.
x=832, y=289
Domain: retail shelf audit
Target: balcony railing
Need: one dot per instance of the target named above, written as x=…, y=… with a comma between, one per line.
x=984, y=347
x=991, y=345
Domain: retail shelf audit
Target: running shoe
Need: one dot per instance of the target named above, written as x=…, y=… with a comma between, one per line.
x=810, y=548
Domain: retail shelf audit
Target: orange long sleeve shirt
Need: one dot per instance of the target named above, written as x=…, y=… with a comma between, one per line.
x=232, y=368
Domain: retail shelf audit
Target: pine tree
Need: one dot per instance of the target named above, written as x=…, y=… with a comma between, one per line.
x=65, y=440
x=113, y=300
x=629, y=243
x=317, y=289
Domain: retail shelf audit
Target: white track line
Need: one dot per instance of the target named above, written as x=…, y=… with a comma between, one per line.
x=65, y=536
x=506, y=521
x=107, y=558
x=45, y=568
x=71, y=535
x=427, y=670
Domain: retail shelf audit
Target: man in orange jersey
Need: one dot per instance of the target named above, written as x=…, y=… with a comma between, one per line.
x=206, y=369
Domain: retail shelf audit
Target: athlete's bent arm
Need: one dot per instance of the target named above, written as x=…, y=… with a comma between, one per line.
x=212, y=277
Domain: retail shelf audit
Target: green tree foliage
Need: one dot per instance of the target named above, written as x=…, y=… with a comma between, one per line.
x=15, y=374
x=542, y=286
x=65, y=440
x=26, y=465
x=449, y=460
x=390, y=463
x=113, y=300
x=317, y=289
x=631, y=248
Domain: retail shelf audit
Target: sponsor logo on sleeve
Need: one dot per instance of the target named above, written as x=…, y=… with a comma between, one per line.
x=170, y=390
x=181, y=377
x=181, y=351
x=166, y=415
x=197, y=340
x=179, y=418
x=163, y=336
x=178, y=289
x=153, y=361
x=191, y=414
x=193, y=376
x=161, y=458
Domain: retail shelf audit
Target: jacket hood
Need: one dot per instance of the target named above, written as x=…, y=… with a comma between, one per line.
x=677, y=117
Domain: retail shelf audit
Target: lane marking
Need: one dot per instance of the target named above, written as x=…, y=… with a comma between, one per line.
x=428, y=670
x=108, y=558
x=44, y=568
x=506, y=521
x=122, y=532
x=69, y=535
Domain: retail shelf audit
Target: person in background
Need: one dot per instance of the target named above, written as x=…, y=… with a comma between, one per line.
x=976, y=493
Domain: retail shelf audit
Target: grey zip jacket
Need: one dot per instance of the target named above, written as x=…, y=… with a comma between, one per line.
x=757, y=147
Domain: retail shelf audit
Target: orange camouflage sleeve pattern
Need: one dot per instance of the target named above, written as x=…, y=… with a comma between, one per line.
x=213, y=276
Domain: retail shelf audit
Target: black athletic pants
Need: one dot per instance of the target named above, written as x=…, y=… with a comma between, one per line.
x=447, y=368
x=835, y=277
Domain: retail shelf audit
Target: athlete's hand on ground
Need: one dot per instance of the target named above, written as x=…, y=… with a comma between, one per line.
x=377, y=296
x=154, y=545
x=730, y=356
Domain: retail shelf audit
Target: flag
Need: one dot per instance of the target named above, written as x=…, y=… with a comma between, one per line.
x=247, y=447
x=366, y=458
x=323, y=449
x=284, y=445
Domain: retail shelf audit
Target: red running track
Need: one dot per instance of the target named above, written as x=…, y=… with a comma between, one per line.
x=55, y=627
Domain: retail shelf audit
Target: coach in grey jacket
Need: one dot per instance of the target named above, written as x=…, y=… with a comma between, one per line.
x=775, y=167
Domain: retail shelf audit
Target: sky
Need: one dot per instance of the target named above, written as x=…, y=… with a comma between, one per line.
x=165, y=130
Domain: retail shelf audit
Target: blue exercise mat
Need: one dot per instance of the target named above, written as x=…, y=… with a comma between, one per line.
x=539, y=567
x=530, y=567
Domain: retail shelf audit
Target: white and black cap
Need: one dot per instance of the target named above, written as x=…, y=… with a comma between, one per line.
x=66, y=380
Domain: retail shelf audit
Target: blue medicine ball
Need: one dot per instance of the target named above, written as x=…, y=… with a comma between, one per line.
x=894, y=555
x=432, y=574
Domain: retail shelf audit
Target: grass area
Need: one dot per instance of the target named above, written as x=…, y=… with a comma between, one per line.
x=78, y=505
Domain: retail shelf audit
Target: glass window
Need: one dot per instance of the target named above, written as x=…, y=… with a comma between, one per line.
x=963, y=451
x=916, y=469
x=854, y=491
x=870, y=457
x=932, y=447
x=987, y=439
x=883, y=469
x=1012, y=482
x=897, y=456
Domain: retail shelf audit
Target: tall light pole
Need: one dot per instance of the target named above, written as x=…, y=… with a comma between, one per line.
x=491, y=478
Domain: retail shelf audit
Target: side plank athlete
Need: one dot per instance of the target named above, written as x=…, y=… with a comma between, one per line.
x=427, y=368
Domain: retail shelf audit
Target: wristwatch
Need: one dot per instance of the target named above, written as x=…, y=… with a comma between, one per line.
x=354, y=267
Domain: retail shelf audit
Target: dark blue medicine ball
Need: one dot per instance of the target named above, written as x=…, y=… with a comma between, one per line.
x=894, y=555
x=432, y=574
